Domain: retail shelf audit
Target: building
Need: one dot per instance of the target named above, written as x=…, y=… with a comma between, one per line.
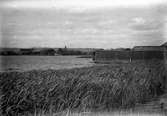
x=148, y=48
x=106, y=56
x=136, y=53
x=43, y=51
x=148, y=52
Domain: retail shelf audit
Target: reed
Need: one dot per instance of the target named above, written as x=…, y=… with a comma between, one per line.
x=97, y=88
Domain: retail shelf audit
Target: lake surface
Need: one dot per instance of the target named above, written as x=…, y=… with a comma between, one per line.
x=24, y=63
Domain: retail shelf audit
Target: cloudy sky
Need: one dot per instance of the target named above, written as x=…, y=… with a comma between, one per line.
x=82, y=23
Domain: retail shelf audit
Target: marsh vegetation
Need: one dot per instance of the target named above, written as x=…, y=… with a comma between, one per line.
x=117, y=86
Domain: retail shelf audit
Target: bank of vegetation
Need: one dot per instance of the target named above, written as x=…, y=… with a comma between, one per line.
x=46, y=51
x=98, y=88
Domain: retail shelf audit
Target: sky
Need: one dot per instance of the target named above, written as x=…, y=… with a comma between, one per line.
x=82, y=23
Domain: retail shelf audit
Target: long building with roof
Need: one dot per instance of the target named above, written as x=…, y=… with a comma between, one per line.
x=136, y=53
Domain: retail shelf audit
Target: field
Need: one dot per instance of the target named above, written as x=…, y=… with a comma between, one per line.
x=105, y=88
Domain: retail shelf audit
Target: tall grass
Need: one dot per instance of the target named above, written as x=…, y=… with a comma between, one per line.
x=113, y=113
x=97, y=88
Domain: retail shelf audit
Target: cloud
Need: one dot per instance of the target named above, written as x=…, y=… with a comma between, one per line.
x=149, y=32
x=109, y=28
x=78, y=5
x=149, y=24
x=106, y=22
x=138, y=20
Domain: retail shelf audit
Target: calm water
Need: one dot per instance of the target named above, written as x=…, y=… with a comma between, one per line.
x=23, y=63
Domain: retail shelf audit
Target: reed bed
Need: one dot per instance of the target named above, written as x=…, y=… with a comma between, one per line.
x=98, y=88
x=117, y=114
x=120, y=113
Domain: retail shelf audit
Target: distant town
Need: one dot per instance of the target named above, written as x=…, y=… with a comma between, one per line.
x=86, y=52
x=47, y=51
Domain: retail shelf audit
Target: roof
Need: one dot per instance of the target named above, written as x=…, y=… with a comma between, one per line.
x=165, y=44
x=149, y=48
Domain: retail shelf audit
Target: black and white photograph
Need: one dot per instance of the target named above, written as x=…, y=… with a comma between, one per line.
x=83, y=57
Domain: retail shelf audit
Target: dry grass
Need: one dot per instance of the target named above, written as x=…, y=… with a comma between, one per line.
x=97, y=88
x=123, y=113
x=117, y=114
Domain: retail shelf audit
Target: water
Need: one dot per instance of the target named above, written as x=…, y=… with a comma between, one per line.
x=24, y=63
